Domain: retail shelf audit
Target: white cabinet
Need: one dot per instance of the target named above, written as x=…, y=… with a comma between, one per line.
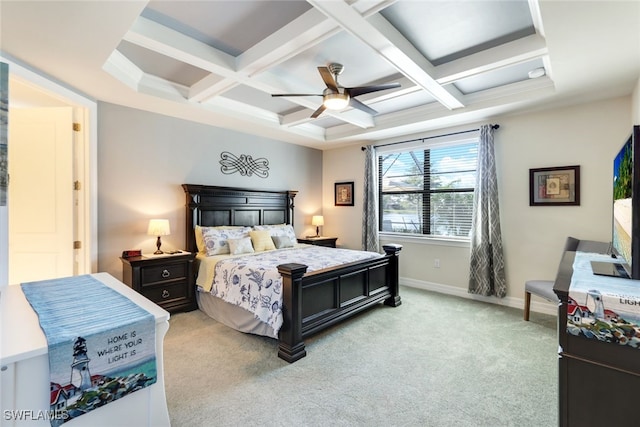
x=24, y=374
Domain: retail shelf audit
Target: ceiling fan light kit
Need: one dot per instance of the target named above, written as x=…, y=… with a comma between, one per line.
x=336, y=97
x=336, y=101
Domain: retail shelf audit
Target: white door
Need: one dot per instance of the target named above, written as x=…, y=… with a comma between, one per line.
x=41, y=214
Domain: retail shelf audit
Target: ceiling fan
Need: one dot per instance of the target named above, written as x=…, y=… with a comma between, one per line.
x=336, y=97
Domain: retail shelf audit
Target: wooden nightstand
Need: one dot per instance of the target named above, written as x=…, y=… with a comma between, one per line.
x=166, y=280
x=320, y=241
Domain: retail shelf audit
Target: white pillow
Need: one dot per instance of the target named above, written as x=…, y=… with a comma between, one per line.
x=198, y=231
x=215, y=239
x=240, y=246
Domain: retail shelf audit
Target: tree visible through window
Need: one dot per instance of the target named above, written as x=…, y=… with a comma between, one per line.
x=428, y=191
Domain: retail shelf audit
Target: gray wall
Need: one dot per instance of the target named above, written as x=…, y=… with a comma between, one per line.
x=588, y=135
x=143, y=158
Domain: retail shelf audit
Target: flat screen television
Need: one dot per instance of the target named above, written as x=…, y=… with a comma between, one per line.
x=625, y=230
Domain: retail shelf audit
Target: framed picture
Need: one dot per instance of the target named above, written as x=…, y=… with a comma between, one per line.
x=344, y=193
x=554, y=186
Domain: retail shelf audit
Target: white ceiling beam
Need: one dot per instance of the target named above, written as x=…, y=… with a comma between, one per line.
x=299, y=35
x=495, y=100
x=171, y=43
x=257, y=116
x=296, y=118
x=304, y=32
x=120, y=67
x=511, y=53
x=536, y=17
x=382, y=37
x=210, y=86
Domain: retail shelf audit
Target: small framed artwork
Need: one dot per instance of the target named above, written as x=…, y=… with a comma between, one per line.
x=344, y=193
x=557, y=186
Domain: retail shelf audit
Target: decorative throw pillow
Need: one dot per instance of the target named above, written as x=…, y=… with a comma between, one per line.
x=261, y=240
x=282, y=242
x=240, y=246
x=215, y=239
x=279, y=230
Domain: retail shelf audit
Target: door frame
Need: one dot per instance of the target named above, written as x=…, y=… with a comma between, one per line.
x=86, y=158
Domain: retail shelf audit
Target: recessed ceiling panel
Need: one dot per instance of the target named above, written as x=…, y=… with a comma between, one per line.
x=413, y=99
x=257, y=98
x=230, y=26
x=447, y=30
x=361, y=65
x=500, y=77
x=161, y=66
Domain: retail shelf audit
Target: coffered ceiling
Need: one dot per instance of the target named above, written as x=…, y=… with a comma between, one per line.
x=219, y=62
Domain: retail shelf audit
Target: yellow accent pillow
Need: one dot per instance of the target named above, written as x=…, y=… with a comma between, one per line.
x=261, y=240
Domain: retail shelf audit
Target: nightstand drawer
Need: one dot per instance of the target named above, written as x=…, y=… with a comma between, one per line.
x=164, y=293
x=163, y=272
x=166, y=280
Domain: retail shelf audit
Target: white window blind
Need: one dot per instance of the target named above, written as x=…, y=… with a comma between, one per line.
x=428, y=190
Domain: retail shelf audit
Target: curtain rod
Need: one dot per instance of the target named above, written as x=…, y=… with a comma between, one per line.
x=431, y=137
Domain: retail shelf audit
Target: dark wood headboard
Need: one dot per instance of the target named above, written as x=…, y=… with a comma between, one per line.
x=214, y=206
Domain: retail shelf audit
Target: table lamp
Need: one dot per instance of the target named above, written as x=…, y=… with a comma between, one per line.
x=317, y=220
x=158, y=227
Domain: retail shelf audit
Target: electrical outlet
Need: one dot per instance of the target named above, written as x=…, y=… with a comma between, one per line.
x=436, y=263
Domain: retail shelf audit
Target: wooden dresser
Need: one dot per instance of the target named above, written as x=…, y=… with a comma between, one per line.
x=599, y=382
x=25, y=392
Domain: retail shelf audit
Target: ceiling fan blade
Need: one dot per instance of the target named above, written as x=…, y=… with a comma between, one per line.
x=296, y=94
x=361, y=90
x=328, y=78
x=360, y=106
x=318, y=111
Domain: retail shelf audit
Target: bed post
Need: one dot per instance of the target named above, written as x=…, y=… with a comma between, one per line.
x=291, y=347
x=393, y=250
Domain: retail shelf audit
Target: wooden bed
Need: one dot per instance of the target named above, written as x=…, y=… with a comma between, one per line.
x=313, y=301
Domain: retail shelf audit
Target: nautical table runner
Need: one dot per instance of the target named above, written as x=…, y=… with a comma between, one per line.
x=101, y=344
x=603, y=308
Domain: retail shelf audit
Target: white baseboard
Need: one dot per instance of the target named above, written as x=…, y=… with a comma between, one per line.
x=537, y=306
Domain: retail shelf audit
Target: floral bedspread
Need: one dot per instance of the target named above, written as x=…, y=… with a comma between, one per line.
x=253, y=282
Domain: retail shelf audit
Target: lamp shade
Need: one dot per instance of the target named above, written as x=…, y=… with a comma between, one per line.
x=159, y=227
x=317, y=220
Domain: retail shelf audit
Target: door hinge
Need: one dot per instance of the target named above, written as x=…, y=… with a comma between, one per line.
x=77, y=186
x=77, y=244
x=77, y=127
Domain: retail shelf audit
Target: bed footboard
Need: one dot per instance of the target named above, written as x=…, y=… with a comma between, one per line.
x=315, y=301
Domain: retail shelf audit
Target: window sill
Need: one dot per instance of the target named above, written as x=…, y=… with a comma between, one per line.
x=423, y=240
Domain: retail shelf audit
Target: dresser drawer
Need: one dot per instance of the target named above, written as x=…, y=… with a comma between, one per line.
x=163, y=272
x=169, y=292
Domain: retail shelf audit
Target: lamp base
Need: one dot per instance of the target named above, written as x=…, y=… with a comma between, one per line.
x=158, y=244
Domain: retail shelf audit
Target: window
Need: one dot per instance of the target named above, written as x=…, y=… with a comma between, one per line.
x=428, y=190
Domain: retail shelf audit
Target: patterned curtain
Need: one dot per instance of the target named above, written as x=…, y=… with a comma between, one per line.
x=486, y=276
x=370, y=213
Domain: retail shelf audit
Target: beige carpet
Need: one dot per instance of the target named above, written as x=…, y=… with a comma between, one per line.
x=436, y=360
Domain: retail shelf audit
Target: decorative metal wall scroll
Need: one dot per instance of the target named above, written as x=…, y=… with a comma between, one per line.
x=244, y=164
